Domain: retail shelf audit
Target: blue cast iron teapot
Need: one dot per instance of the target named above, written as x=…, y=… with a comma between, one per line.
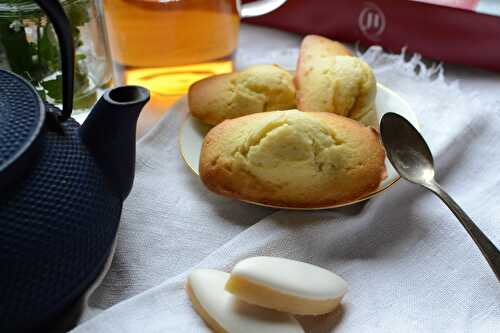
x=61, y=190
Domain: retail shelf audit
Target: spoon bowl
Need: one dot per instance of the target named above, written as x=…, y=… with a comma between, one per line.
x=406, y=149
x=411, y=157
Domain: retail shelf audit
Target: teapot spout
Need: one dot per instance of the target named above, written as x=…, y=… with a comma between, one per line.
x=109, y=133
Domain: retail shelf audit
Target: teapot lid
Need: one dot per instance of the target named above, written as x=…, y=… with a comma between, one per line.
x=22, y=115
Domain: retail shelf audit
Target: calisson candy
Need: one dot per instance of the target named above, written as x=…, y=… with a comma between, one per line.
x=225, y=313
x=286, y=285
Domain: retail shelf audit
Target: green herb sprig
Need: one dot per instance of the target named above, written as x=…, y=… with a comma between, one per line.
x=36, y=56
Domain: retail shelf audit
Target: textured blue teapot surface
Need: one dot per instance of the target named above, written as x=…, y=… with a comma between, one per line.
x=57, y=225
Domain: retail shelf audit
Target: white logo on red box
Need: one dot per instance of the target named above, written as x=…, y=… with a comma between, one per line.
x=371, y=21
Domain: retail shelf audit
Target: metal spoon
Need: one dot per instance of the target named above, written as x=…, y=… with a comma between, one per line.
x=412, y=159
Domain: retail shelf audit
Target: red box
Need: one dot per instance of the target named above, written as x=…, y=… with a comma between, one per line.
x=456, y=31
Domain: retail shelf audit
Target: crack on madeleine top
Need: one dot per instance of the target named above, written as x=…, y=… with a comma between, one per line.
x=349, y=85
x=334, y=137
x=365, y=102
x=256, y=139
x=232, y=92
x=318, y=149
x=309, y=143
x=273, y=91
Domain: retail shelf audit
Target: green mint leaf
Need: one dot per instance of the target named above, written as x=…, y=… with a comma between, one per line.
x=53, y=87
x=80, y=57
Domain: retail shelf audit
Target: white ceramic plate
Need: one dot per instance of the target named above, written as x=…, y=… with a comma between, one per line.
x=193, y=131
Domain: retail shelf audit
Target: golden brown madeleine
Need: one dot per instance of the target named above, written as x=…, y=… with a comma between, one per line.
x=292, y=159
x=319, y=46
x=330, y=79
x=256, y=89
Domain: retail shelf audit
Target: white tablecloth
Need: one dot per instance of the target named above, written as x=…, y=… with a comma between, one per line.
x=410, y=265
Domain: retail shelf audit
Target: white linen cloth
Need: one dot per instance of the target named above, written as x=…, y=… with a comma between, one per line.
x=410, y=265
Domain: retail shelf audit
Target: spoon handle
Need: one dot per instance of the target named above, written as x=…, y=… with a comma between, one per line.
x=489, y=250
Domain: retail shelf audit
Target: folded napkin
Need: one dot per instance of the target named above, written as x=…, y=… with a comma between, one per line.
x=410, y=265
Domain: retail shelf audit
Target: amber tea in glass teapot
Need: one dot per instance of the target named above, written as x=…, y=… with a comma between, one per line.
x=166, y=45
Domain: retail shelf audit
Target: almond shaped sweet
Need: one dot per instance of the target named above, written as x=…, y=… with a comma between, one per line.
x=330, y=79
x=292, y=159
x=259, y=88
x=286, y=285
x=225, y=313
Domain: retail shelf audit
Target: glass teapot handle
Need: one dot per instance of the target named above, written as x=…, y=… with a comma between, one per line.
x=257, y=8
x=57, y=17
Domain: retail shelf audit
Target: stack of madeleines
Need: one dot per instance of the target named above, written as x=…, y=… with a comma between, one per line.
x=298, y=142
x=262, y=293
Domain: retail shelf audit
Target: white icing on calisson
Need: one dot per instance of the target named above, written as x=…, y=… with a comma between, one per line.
x=286, y=285
x=292, y=277
x=223, y=312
